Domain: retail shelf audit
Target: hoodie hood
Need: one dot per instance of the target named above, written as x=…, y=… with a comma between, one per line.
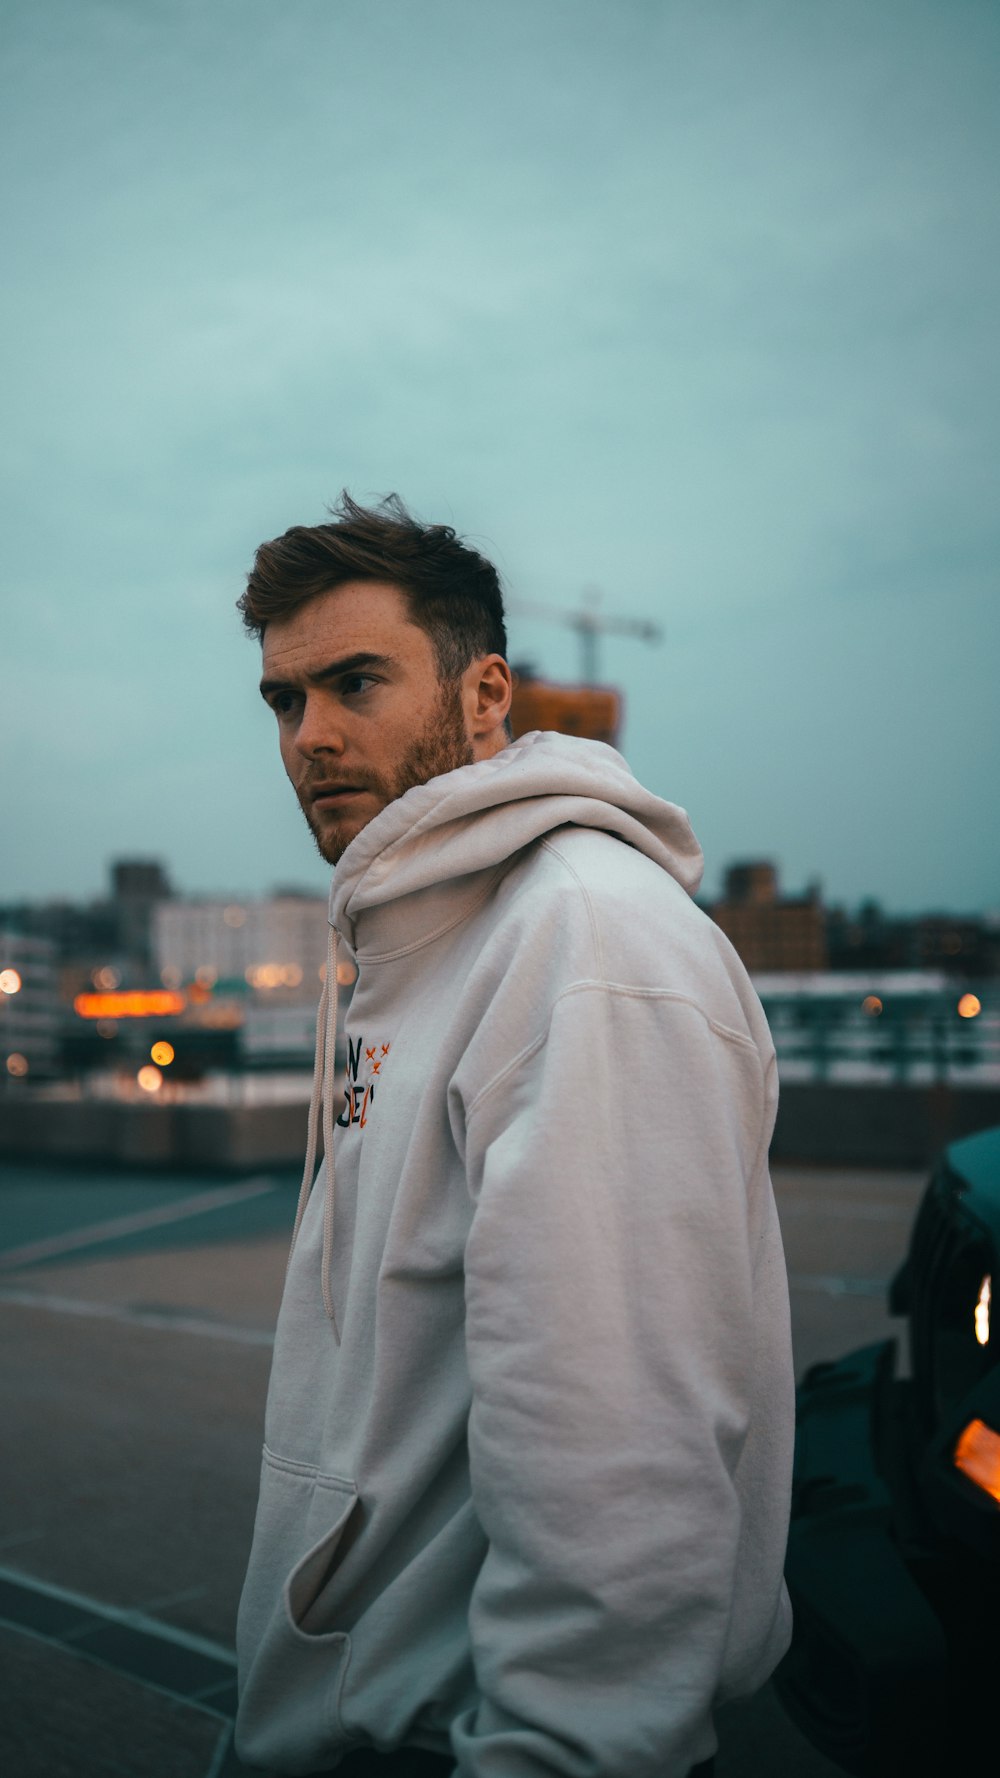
x=471, y=821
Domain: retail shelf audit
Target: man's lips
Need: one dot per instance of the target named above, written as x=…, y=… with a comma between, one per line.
x=332, y=796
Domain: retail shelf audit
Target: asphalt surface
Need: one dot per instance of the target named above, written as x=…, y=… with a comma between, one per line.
x=136, y=1319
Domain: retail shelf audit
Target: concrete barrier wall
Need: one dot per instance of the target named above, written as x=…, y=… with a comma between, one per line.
x=235, y=1138
x=240, y=1137
x=877, y=1126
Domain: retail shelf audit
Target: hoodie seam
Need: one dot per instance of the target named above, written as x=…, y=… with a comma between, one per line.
x=595, y=932
x=509, y=1068
x=621, y=990
x=309, y=1471
x=765, y=1133
x=430, y=938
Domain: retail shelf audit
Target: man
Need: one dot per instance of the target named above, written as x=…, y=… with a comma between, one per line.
x=525, y=1482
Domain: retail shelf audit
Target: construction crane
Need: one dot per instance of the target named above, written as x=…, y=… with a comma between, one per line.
x=588, y=709
x=589, y=624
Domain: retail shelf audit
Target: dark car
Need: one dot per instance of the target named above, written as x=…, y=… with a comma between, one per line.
x=894, y=1549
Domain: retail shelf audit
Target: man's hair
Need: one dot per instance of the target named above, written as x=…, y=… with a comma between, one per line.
x=453, y=592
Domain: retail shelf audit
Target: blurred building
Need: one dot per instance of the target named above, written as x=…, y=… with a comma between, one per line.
x=591, y=711
x=770, y=932
x=960, y=945
x=255, y=965
x=84, y=931
x=868, y=939
x=106, y=938
x=30, y=1009
x=275, y=944
x=138, y=885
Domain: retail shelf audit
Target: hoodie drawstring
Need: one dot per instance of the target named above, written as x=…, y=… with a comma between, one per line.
x=321, y=1109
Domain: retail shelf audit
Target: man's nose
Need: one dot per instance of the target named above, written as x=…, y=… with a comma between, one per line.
x=320, y=730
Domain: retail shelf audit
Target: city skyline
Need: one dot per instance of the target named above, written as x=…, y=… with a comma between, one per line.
x=710, y=892
x=694, y=306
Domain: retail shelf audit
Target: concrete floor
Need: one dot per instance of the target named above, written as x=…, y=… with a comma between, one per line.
x=132, y=1388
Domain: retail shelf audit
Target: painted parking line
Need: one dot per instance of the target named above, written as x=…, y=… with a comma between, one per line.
x=167, y=1320
x=191, y=1669
x=74, y=1239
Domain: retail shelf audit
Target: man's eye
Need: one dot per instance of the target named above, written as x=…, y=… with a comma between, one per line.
x=353, y=684
x=283, y=702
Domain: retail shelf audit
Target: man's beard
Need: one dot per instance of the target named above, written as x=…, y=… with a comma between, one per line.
x=441, y=746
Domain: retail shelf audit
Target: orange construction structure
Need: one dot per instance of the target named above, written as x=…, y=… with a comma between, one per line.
x=591, y=711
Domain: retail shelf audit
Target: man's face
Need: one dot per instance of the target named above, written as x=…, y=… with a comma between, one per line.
x=362, y=715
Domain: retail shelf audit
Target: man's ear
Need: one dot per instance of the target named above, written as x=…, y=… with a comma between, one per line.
x=488, y=690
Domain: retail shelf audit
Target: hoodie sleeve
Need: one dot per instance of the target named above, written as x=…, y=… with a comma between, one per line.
x=619, y=1356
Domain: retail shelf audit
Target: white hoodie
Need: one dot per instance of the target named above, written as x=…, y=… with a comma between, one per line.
x=528, y=1444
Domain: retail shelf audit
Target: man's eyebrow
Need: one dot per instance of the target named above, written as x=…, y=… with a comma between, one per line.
x=348, y=663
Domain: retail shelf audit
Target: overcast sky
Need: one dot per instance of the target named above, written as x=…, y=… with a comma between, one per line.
x=693, y=302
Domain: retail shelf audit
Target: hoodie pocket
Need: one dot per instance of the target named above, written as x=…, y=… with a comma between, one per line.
x=316, y=1508
x=292, y=1658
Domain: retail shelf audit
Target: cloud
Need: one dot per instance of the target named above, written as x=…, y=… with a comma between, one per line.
x=694, y=303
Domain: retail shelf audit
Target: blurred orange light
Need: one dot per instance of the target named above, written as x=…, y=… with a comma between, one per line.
x=150, y=1079
x=150, y=1004
x=977, y=1455
x=346, y=974
x=10, y=981
x=267, y=975
x=162, y=1054
x=969, y=1007
x=106, y=978
x=982, y=1311
x=872, y=1005
x=17, y=1065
